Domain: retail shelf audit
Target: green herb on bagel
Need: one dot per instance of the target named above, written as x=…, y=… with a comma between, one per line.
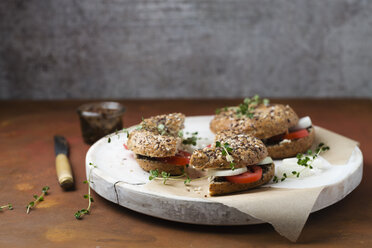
x=225, y=152
x=247, y=107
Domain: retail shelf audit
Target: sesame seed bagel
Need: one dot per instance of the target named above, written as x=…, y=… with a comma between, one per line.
x=267, y=121
x=246, y=150
x=148, y=164
x=172, y=124
x=220, y=186
x=292, y=147
x=149, y=144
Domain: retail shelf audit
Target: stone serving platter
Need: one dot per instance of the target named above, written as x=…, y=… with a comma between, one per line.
x=118, y=178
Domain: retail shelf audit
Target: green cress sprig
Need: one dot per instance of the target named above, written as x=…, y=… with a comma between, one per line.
x=155, y=175
x=305, y=160
x=80, y=213
x=225, y=152
x=7, y=206
x=37, y=198
x=248, y=106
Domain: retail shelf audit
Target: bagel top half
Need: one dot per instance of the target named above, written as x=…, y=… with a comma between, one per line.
x=167, y=124
x=267, y=121
x=246, y=150
x=157, y=136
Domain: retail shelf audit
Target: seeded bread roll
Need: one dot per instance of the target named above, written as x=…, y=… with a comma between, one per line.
x=149, y=144
x=246, y=150
x=290, y=148
x=169, y=124
x=220, y=186
x=148, y=164
x=267, y=121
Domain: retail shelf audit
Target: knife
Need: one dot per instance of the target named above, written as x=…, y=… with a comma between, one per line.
x=63, y=168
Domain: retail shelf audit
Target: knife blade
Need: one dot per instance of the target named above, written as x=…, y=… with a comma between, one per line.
x=63, y=167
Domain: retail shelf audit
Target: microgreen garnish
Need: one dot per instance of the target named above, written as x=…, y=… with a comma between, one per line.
x=188, y=180
x=180, y=134
x=226, y=149
x=249, y=105
x=165, y=176
x=161, y=129
x=7, y=206
x=191, y=140
x=37, y=198
x=109, y=140
x=80, y=213
x=306, y=160
x=155, y=175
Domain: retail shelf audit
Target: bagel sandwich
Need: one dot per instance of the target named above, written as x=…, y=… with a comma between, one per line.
x=156, y=144
x=235, y=162
x=277, y=125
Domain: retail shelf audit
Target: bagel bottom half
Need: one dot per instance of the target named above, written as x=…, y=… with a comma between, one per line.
x=220, y=186
x=148, y=164
x=291, y=149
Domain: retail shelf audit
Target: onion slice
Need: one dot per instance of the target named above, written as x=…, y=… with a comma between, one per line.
x=267, y=160
x=226, y=173
x=303, y=123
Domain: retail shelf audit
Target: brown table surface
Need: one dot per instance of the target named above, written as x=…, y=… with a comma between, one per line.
x=27, y=163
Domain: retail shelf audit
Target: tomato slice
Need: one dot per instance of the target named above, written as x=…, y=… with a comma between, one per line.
x=247, y=177
x=296, y=135
x=181, y=158
x=125, y=147
x=210, y=145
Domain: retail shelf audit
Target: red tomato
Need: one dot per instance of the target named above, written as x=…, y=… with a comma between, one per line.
x=247, y=177
x=210, y=145
x=181, y=158
x=296, y=135
x=126, y=147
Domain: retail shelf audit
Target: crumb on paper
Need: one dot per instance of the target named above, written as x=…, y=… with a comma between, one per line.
x=197, y=190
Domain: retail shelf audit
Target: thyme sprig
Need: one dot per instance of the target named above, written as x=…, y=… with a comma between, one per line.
x=80, y=213
x=226, y=149
x=37, y=199
x=306, y=160
x=7, y=206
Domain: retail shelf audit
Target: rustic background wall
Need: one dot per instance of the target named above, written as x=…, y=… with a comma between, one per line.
x=185, y=48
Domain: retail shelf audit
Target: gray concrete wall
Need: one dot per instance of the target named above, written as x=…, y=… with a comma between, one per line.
x=185, y=48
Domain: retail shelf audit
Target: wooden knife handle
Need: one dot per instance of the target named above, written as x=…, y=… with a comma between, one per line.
x=64, y=172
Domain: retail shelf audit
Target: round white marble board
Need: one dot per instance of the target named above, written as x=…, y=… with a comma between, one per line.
x=119, y=179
